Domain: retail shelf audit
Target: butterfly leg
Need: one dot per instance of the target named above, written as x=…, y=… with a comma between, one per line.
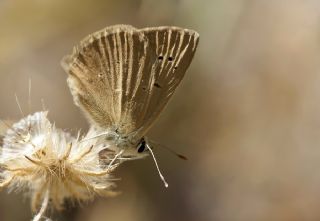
x=100, y=173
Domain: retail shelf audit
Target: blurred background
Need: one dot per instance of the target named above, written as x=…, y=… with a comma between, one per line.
x=246, y=114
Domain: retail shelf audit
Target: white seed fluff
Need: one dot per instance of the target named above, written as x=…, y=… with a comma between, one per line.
x=54, y=166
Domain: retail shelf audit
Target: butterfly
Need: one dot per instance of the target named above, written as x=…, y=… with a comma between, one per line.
x=122, y=78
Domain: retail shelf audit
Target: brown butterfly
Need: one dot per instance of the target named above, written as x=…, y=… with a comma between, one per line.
x=122, y=78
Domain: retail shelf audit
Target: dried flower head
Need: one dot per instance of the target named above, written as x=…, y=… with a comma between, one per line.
x=53, y=165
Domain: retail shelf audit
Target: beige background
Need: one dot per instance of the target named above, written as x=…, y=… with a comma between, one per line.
x=246, y=115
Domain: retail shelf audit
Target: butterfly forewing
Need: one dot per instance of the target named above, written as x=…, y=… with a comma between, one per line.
x=174, y=48
x=122, y=77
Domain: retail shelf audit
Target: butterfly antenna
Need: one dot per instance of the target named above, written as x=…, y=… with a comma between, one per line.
x=18, y=103
x=156, y=163
x=170, y=150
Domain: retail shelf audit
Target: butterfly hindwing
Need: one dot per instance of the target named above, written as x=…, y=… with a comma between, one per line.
x=101, y=74
x=122, y=77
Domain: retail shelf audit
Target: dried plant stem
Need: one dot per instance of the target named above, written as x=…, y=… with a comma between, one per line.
x=43, y=207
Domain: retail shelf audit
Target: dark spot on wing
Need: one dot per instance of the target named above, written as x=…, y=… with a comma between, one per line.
x=157, y=85
x=160, y=57
x=170, y=58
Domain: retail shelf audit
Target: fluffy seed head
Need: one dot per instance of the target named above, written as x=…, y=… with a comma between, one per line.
x=49, y=162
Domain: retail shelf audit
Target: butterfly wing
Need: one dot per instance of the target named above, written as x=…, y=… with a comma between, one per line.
x=174, y=48
x=122, y=77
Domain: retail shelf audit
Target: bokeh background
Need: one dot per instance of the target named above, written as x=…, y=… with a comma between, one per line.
x=247, y=114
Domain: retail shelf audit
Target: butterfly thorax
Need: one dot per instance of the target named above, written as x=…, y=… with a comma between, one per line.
x=131, y=146
x=122, y=141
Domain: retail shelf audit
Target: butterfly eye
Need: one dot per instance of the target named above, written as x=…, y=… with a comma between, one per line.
x=141, y=146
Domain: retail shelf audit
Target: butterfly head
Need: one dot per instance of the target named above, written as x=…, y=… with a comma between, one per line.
x=140, y=148
x=129, y=143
